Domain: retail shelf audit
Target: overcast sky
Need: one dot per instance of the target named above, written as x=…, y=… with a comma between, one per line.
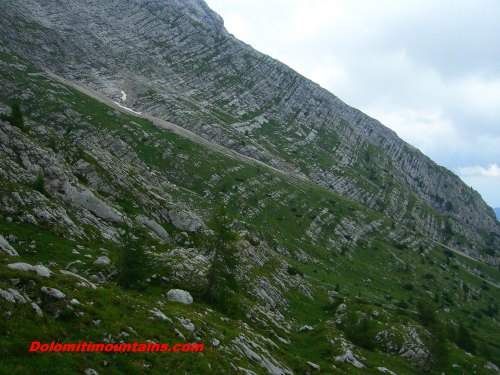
x=430, y=70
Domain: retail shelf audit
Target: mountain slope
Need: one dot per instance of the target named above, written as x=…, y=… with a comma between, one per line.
x=308, y=255
x=176, y=61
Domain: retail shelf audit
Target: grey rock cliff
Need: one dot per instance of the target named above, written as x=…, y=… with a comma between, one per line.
x=175, y=60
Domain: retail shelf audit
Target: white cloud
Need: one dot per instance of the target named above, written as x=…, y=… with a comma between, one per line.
x=486, y=184
x=418, y=127
x=492, y=171
x=481, y=96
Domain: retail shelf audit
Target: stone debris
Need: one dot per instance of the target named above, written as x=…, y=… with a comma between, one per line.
x=492, y=366
x=342, y=308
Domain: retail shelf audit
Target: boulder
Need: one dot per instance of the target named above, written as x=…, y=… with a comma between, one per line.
x=348, y=357
x=85, y=198
x=179, y=295
x=386, y=370
x=154, y=226
x=160, y=315
x=52, y=292
x=314, y=366
x=186, y=323
x=40, y=270
x=305, y=329
x=6, y=295
x=185, y=220
x=37, y=309
x=104, y=260
x=342, y=308
x=5, y=246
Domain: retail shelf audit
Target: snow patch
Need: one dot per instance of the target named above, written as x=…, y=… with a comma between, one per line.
x=127, y=108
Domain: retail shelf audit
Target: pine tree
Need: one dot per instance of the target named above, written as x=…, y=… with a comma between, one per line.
x=438, y=351
x=16, y=116
x=220, y=248
x=133, y=266
x=464, y=339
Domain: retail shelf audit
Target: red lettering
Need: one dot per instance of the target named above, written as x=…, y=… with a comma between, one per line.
x=35, y=345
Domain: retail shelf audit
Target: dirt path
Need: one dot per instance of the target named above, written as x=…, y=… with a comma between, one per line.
x=179, y=130
x=468, y=257
x=295, y=180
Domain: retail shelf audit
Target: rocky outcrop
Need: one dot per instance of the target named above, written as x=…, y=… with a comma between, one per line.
x=39, y=269
x=154, y=226
x=5, y=246
x=238, y=97
x=53, y=292
x=86, y=199
x=347, y=355
x=13, y=295
x=256, y=352
x=185, y=220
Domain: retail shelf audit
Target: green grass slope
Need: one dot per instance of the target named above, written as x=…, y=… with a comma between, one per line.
x=307, y=257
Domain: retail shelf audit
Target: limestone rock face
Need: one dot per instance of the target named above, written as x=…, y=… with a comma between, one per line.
x=259, y=108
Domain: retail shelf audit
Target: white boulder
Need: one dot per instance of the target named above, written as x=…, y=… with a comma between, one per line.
x=104, y=260
x=305, y=329
x=5, y=246
x=179, y=295
x=314, y=366
x=52, y=292
x=40, y=270
x=37, y=309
